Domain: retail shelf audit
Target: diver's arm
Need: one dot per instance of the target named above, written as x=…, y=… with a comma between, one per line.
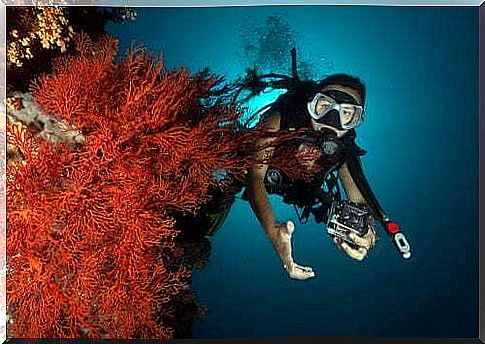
x=359, y=190
x=351, y=189
x=278, y=233
x=365, y=242
x=359, y=187
x=257, y=195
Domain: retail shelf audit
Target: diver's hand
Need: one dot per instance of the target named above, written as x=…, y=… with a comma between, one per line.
x=360, y=244
x=280, y=235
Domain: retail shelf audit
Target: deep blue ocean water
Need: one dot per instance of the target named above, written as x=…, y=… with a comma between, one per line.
x=421, y=134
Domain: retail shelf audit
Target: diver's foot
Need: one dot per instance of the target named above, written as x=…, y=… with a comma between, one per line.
x=282, y=243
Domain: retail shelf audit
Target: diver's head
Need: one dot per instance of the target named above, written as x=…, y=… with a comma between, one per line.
x=339, y=105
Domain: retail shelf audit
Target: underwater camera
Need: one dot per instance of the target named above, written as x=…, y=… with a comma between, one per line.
x=346, y=217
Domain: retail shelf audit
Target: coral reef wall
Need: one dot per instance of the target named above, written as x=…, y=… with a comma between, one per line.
x=91, y=242
x=103, y=156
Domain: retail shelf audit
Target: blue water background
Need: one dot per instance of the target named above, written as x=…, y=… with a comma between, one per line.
x=420, y=67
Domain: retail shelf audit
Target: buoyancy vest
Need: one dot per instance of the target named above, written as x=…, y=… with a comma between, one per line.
x=335, y=151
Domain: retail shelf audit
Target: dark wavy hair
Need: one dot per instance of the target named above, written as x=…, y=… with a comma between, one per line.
x=347, y=81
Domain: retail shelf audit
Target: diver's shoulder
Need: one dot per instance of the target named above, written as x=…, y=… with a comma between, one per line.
x=350, y=141
x=272, y=122
x=350, y=135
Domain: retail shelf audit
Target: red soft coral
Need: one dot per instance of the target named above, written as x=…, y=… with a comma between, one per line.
x=88, y=226
x=91, y=243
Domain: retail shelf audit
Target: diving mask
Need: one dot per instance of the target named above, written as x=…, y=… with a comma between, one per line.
x=350, y=115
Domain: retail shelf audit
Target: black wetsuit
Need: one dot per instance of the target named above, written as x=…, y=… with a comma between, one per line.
x=335, y=152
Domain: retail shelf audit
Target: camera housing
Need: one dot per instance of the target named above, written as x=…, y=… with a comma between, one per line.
x=347, y=217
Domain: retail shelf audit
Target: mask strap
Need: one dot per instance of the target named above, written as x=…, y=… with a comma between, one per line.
x=348, y=90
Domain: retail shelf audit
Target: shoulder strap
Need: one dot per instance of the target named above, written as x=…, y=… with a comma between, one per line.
x=352, y=149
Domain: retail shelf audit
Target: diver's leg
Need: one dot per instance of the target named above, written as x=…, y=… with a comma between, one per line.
x=281, y=236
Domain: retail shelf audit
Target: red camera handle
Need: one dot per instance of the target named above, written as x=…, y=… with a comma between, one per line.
x=399, y=239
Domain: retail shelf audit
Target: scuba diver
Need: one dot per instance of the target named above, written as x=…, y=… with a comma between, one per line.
x=331, y=109
x=326, y=114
